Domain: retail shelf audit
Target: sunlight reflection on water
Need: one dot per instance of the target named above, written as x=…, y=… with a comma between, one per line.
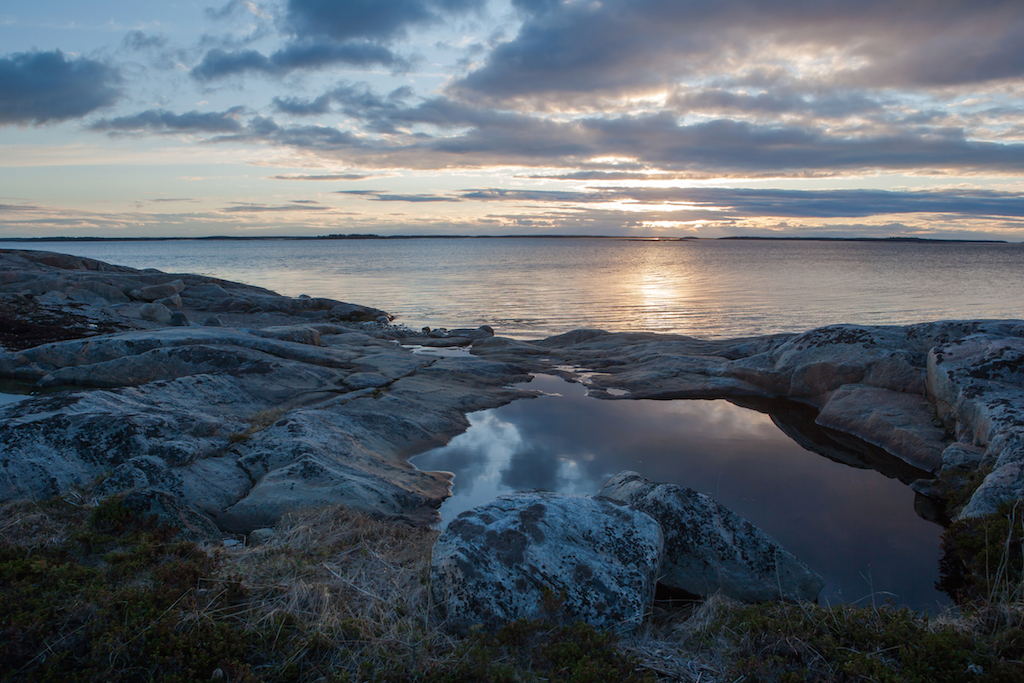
x=532, y=288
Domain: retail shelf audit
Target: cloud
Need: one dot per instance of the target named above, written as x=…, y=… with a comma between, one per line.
x=743, y=203
x=266, y=129
x=442, y=131
x=327, y=176
x=380, y=196
x=233, y=7
x=138, y=41
x=630, y=45
x=369, y=19
x=600, y=175
x=296, y=205
x=219, y=63
x=781, y=100
x=467, y=136
x=356, y=100
x=44, y=87
x=324, y=33
x=297, y=107
x=498, y=194
x=163, y=121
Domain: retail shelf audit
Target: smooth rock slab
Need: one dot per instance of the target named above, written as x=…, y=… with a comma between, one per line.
x=901, y=423
x=711, y=549
x=503, y=561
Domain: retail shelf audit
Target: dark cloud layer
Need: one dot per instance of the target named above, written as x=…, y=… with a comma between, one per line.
x=475, y=134
x=627, y=44
x=43, y=87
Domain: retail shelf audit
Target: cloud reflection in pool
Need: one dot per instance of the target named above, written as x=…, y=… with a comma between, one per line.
x=855, y=527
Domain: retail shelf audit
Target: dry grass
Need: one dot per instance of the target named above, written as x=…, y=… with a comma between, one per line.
x=348, y=583
x=681, y=642
x=28, y=524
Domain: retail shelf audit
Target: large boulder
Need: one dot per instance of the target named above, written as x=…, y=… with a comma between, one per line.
x=711, y=549
x=522, y=555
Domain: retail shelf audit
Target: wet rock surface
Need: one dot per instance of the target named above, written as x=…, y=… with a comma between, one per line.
x=547, y=555
x=710, y=549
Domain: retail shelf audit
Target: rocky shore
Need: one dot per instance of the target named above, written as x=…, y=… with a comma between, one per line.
x=225, y=406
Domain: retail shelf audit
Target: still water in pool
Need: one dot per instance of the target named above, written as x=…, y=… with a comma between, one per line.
x=856, y=527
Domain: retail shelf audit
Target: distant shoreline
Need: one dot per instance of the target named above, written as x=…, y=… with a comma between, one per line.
x=626, y=238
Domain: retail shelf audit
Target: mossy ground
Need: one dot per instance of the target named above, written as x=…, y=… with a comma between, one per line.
x=91, y=593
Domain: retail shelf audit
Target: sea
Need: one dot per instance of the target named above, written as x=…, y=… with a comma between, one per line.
x=530, y=288
x=856, y=527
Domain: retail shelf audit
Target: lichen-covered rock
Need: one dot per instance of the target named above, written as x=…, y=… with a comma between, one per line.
x=962, y=456
x=711, y=549
x=977, y=385
x=811, y=365
x=519, y=556
x=197, y=413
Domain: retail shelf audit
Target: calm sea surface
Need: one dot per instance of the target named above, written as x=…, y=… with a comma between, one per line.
x=856, y=527
x=533, y=288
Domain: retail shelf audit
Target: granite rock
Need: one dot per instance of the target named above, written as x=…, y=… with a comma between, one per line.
x=504, y=560
x=710, y=549
x=902, y=423
x=977, y=386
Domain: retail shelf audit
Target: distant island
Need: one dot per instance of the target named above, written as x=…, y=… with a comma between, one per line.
x=861, y=239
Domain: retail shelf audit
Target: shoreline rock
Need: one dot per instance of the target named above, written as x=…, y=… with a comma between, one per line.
x=295, y=401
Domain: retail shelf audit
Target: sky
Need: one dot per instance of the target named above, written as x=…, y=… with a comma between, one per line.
x=668, y=118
